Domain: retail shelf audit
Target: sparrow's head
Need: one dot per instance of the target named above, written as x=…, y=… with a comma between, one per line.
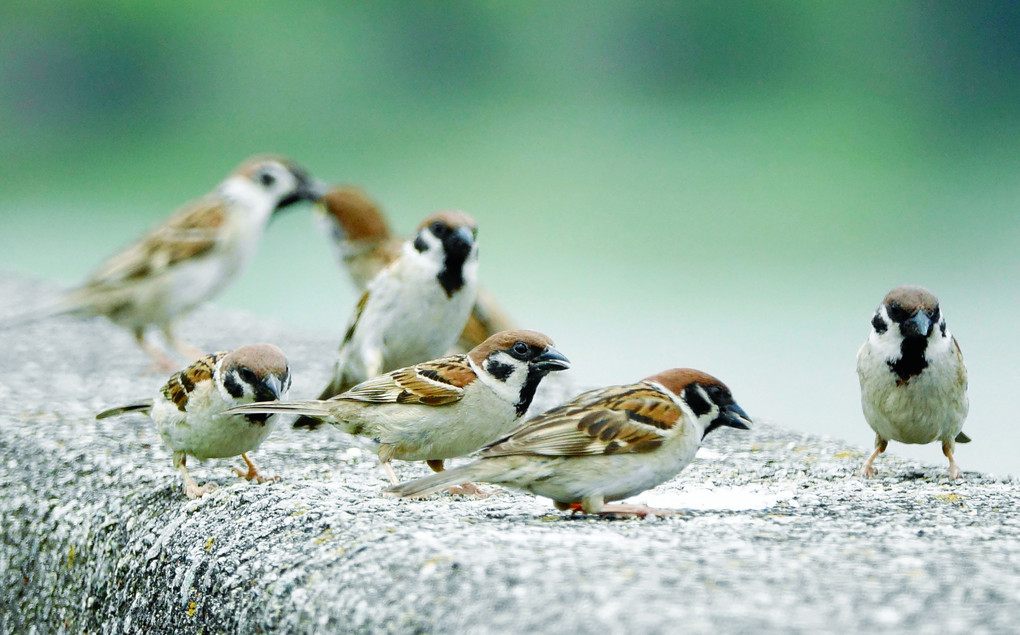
x=354, y=215
x=514, y=362
x=280, y=180
x=257, y=372
x=707, y=398
x=450, y=239
x=913, y=310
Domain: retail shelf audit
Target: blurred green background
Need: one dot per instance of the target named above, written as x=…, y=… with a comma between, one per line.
x=729, y=186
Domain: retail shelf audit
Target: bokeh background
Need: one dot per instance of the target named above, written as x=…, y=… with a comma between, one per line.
x=729, y=186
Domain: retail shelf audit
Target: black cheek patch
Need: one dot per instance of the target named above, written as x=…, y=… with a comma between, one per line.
x=420, y=244
x=879, y=324
x=499, y=370
x=942, y=327
x=232, y=385
x=695, y=401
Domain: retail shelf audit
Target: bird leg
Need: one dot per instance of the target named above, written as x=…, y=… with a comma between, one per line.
x=954, y=469
x=867, y=471
x=464, y=489
x=191, y=489
x=390, y=473
x=161, y=362
x=253, y=474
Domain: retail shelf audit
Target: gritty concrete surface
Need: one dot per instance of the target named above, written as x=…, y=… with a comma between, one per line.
x=779, y=536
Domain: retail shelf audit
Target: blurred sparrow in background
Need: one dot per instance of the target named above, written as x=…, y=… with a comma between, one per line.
x=190, y=258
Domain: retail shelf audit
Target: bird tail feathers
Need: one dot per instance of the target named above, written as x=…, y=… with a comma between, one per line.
x=481, y=470
x=143, y=407
x=307, y=408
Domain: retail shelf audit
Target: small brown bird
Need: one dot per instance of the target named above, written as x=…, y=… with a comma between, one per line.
x=364, y=245
x=913, y=380
x=439, y=409
x=604, y=445
x=189, y=258
x=189, y=409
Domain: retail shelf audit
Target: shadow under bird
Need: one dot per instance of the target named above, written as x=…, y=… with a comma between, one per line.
x=365, y=245
x=190, y=409
x=439, y=409
x=604, y=445
x=414, y=308
x=913, y=380
x=190, y=257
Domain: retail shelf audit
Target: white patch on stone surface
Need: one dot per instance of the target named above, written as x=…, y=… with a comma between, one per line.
x=713, y=498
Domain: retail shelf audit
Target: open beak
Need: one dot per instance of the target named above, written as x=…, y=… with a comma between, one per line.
x=550, y=360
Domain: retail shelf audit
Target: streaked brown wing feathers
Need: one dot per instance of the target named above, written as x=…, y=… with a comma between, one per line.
x=178, y=388
x=191, y=233
x=435, y=383
x=633, y=418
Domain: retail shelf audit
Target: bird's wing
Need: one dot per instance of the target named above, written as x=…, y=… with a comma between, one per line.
x=434, y=383
x=191, y=232
x=634, y=418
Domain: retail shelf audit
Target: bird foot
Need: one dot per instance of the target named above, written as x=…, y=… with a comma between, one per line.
x=954, y=472
x=253, y=475
x=193, y=491
x=469, y=489
x=867, y=472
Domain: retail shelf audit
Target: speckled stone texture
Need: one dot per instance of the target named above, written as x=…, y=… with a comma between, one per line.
x=779, y=535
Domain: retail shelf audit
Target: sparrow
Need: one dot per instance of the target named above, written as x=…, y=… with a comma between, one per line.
x=913, y=380
x=190, y=409
x=365, y=245
x=439, y=409
x=413, y=309
x=604, y=445
x=191, y=256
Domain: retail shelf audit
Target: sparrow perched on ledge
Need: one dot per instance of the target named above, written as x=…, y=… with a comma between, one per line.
x=191, y=257
x=439, y=409
x=414, y=308
x=604, y=445
x=189, y=410
x=364, y=245
x=913, y=380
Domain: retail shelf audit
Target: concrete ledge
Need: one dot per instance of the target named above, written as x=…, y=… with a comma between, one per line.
x=97, y=537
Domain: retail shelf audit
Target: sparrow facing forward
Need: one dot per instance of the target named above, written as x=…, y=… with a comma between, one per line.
x=443, y=408
x=913, y=380
x=604, y=445
x=365, y=245
x=413, y=309
x=189, y=410
x=192, y=256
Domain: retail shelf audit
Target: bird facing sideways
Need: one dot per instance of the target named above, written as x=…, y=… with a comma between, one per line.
x=365, y=245
x=191, y=256
x=414, y=308
x=913, y=380
x=604, y=445
x=442, y=408
x=189, y=410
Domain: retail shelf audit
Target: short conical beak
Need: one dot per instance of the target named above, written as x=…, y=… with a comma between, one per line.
x=918, y=326
x=735, y=417
x=550, y=360
x=269, y=390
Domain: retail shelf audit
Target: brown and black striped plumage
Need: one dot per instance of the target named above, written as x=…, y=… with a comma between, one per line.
x=177, y=389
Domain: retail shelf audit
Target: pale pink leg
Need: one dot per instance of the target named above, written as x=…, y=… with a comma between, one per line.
x=867, y=471
x=954, y=469
x=253, y=474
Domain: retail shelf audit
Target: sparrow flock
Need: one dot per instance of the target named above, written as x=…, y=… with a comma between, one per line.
x=399, y=382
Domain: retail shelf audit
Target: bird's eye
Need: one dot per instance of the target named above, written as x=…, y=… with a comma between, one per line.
x=898, y=313
x=521, y=349
x=248, y=375
x=935, y=314
x=439, y=229
x=266, y=179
